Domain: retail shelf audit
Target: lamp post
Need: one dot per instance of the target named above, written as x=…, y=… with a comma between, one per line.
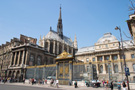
x=118, y=28
x=109, y=70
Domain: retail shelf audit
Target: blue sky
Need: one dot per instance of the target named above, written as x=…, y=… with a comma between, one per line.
x=88, y=19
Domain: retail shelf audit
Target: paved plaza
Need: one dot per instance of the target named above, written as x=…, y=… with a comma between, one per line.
x=21, y=86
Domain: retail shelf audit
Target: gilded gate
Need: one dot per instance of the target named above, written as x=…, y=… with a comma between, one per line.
x=64, y=68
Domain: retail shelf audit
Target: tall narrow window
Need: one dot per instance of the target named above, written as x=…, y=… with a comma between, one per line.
x=133, y=67
x=116, y=68
x=101, y=69
x=132, y=56
x=39, y=60
x=31, y=61
x=107, y=57
x=99, y=58
x=114, y=57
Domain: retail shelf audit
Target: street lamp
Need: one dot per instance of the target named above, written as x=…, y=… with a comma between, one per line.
x=118, y=28
x=109, y=70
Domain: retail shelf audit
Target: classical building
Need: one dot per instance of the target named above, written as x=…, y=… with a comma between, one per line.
x=18, y=54
x=106, y=56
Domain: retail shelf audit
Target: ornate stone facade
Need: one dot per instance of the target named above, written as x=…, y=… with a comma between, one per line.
x=107, y=51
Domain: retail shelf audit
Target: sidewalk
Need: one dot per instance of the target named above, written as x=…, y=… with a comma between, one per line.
x=62, y=87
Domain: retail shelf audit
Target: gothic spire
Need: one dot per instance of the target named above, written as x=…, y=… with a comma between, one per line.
x=40, y=38
x=60, y=13
x=60, y=26
x=75, y=43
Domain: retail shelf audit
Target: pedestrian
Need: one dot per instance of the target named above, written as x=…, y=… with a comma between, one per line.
x=57, y=83
x=105, y=83
x=32, y=81
x=23, y=80
x=75, y=84
x=51, y=83
x=124, y=85
x=119, y=85
x=111, y=86
x=45, y=81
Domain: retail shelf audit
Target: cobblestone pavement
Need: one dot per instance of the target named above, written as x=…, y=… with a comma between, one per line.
x=61, y=87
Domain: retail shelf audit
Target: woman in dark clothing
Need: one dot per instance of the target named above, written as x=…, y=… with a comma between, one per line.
x=75, y=84
x=111, y=86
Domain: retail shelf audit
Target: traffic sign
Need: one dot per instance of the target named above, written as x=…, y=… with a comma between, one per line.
x=127, y=71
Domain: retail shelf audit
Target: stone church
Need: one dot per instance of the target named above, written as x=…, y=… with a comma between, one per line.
x=17, y=54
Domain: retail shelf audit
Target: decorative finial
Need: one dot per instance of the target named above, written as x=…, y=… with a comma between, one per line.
x=50, y=28
x=60, y=6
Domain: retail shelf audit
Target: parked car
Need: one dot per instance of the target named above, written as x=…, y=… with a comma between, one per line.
x=95, y=83
x=51, y=77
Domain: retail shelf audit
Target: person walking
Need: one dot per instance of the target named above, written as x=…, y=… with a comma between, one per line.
x=75, y=84
x=111, y=86
x=45, y=81
x=105, y=84
x=23, y=80
x=124, y=85
x=119, y=85
x=57, y=83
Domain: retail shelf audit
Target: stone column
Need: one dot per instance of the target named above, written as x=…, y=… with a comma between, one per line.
x=97, y=68
x=12, y=59
x=23, y=58
x=26, y=58
x=54, y=47
x=57, y=47
x=119, y=63
x=15, y=58
x=49, y=46
x=19, y=56
x=110, y=57
x=70, y=71
x=57, y=70
x=104, y=67
x=112, y=67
